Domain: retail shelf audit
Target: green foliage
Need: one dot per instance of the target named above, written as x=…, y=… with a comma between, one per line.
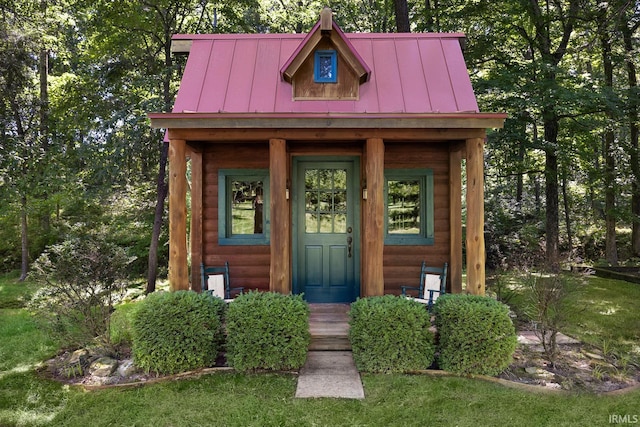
x=476, y=335
x=267, y=330
x=82, y=279
x=121, y=325
x=177, y=331
x=390, y=334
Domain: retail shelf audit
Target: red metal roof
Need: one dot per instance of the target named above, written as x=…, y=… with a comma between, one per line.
x=410, y=73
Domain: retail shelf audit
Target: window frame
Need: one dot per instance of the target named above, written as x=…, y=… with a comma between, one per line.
x=225, y=180
x=334, y=66
x=426, y=236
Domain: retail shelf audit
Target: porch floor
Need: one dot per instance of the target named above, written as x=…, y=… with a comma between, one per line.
x=329, y=327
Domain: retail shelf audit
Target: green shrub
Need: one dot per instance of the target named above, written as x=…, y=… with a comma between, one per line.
x=177, y=331
x=476, y=335
x=390, y=334
x=267, y=330
x=121, y=329
x=82, y=279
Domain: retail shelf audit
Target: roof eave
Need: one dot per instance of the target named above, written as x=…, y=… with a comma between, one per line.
x=463, y=120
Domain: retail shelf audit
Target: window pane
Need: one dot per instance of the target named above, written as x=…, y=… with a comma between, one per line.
x=311, y=223
x=325, y=200
x=326, y=67
x=404, y=207
x=340, y=223
x=247, y=207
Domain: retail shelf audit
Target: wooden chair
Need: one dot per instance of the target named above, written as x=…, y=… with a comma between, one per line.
x=433, y=283
x=215, y=280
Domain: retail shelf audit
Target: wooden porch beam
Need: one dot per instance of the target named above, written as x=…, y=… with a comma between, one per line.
x=373, y=245
x=475, y=217
x=280, y=270
x=455, y=219
x=314, y=134
x=178, y=269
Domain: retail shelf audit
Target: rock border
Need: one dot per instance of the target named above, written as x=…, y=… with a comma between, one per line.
x=433, y=372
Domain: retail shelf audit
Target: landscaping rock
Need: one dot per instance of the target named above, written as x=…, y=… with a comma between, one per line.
x=103, y=367
x=127, y=368
x=79, y=357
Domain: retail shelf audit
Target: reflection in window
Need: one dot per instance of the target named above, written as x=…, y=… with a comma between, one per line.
x=325, y=66
x=403, y=202
x=325, y=198
x=247, y=207
x=409, y=207
x=243, y=201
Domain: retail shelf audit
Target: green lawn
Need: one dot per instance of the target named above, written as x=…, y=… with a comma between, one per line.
x=231, y=399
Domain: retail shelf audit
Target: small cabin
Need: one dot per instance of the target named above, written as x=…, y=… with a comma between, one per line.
x=326, y=163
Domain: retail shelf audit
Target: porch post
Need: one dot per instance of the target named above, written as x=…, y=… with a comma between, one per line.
x=455, y=218
x=475, y=216
x=178, y=269
x=280, y=270
x=196, y=218
x=373, y=244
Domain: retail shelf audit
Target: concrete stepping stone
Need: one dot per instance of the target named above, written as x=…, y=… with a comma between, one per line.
x=330, y=374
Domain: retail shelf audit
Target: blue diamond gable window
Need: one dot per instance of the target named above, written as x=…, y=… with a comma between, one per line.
x=325, y=66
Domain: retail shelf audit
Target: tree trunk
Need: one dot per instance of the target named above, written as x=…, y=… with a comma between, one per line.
x=567, y=206
x=162, y=185
x=634, y=150
x=551, y=191
x=25, y=240
x=162, y=190
x=611, y=251
x=520, y=177
x=402, y=16
x=428, y=17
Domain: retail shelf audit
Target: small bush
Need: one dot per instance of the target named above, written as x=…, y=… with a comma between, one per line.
x=390, y=334
x=549, y=307
x=267, y=330
x=82, y=279
x=177, y=331
x=476, y=335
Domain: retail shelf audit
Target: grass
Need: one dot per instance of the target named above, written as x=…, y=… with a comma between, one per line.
x=232, y=399
x=603, y=312
x=607, y=315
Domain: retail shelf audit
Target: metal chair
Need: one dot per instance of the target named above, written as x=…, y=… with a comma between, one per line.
x=215, y=280
x=433, y=283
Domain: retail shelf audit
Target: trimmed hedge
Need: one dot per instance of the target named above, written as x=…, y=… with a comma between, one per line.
x=476, y=335
x=267, y=330
x=177, y=331
x=390, y=334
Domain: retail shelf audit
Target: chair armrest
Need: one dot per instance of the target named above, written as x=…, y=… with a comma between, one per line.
x=405, y=288
x=239, y=290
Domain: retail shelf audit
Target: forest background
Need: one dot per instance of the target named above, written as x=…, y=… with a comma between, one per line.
x=77, y=153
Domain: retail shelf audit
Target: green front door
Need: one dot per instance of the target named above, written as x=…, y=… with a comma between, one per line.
x=326, y=237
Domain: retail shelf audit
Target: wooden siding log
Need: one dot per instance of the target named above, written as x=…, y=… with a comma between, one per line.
x=455, y=219
x=475, y=217
x=373, y=247
x=280, y=271
x=178, y=268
